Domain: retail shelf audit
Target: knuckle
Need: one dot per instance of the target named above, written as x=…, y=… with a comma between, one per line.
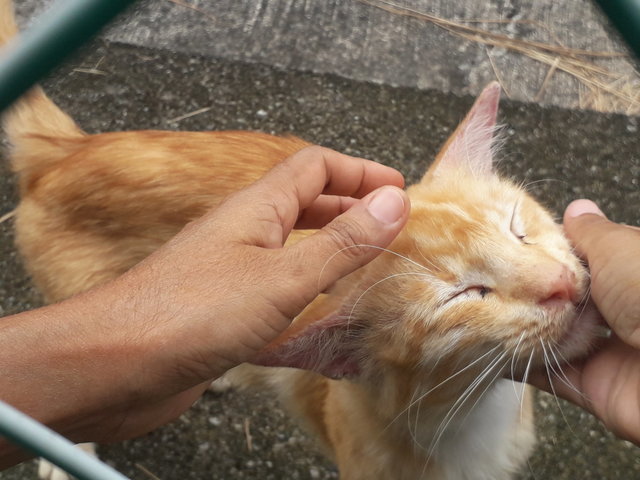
x=314, y=151
x=293, y=263
x=628, y=318
x=295, y=284
x=346, y=237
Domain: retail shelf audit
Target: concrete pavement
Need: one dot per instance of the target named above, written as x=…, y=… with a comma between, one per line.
x=561, y=153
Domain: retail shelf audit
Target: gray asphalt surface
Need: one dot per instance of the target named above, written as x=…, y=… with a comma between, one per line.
x=357, y=40
x=562, y=154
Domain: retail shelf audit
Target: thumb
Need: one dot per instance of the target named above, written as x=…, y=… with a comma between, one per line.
x=584, y=223
x=613, y=254
x=354, y=238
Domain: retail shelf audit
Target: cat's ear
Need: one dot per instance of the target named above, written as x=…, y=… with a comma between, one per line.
x=470, y=145
x=320, y=340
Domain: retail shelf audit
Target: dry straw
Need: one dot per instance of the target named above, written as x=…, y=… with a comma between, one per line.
x=7, y=216
x=600, y=88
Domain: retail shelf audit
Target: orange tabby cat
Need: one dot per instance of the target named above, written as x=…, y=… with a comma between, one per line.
x=399, y=368
x=481, y=284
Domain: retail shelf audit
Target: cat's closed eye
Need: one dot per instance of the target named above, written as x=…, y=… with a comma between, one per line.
x=516, y=226
x=470, y=292
x=482, y=290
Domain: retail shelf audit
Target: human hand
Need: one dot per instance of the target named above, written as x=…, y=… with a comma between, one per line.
x=226, y=286
x=230, y=274
x=607, y=382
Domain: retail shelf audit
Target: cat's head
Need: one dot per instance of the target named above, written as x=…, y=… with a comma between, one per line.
x=481, y=270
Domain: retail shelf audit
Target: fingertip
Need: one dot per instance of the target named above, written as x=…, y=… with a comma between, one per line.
x=582, y=207
x=583, y=221
x=388, y=204
x=357, y=236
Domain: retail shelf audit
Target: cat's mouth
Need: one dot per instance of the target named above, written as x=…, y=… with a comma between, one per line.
x=579, y=329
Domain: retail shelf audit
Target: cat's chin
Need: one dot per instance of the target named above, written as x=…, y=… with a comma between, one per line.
x=584, y=325
x=583, y=329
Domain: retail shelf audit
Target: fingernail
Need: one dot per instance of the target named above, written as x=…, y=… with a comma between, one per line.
x=581, y=207
x=387, y=205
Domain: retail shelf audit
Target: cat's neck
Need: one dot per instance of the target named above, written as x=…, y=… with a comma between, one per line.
x=421, y=410
x=390, y=417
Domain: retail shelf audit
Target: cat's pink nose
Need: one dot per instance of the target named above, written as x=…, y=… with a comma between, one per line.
x=561, y=287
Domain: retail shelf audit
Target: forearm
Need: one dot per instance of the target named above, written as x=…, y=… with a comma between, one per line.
x=68, y=365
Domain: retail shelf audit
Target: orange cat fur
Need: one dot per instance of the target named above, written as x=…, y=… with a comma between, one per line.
x=413, y=347
x=481, y=283
x=75, y=234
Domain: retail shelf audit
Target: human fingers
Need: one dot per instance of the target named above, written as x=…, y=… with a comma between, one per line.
x=314, y=170
x=295, y=184
x=352, y=239
x=323, y=210
x=606, y=383
x=588, y=382
x=613, y=254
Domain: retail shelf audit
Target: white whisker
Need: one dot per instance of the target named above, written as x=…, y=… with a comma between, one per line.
x=525, y=186
x=566, y=362
x=561, y=374
x=450, y=377
x=513, y=360
x=433, y=265
x=462, y=399
x=524, y=383
x=413, y=433
x=489, y=384
x=553, y=390
x=360, y=245
x=459, y=403
x=389, y=277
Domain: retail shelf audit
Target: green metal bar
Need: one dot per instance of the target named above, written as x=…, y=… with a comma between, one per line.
x=31, y=435
x=40, y=49
x=625, y=16
x=66, y=26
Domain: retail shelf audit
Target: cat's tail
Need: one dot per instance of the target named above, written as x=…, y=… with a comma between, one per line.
x=38, y=131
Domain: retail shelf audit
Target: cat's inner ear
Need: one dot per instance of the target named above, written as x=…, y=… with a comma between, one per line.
x=469, y=148
x=322, y=340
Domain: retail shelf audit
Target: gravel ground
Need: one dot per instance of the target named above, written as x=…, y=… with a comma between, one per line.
x=562, y=154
